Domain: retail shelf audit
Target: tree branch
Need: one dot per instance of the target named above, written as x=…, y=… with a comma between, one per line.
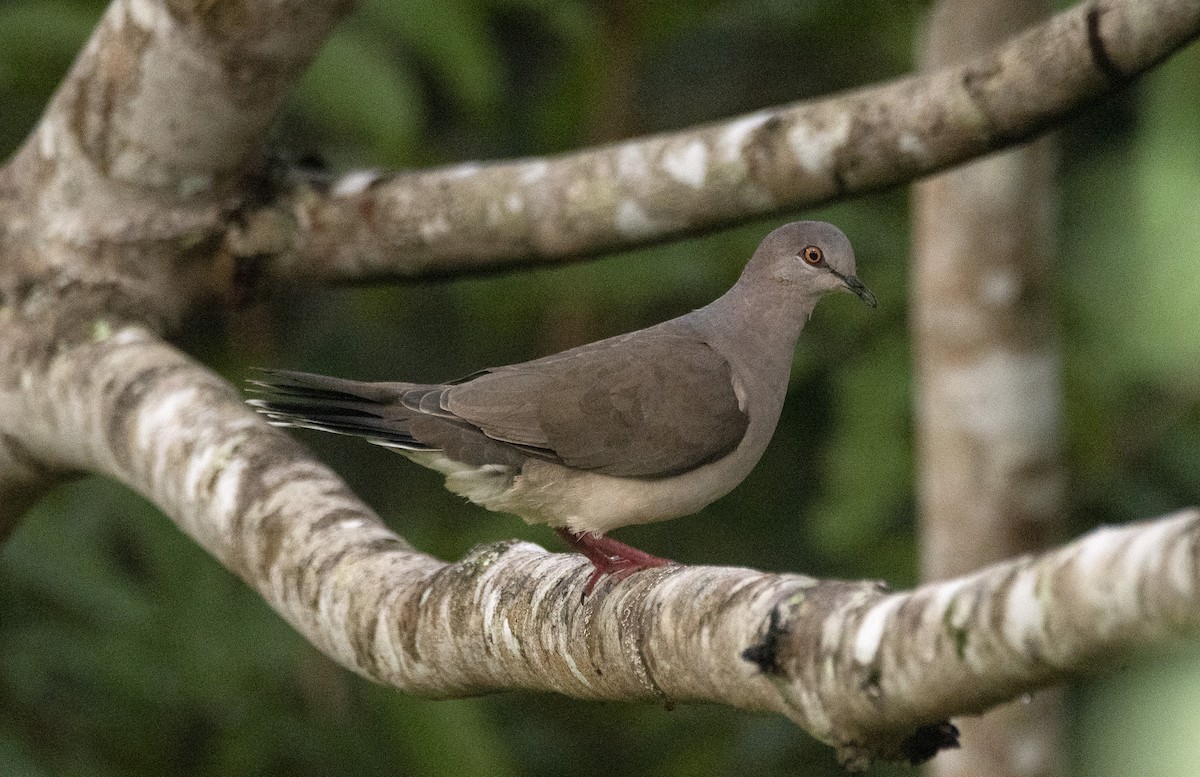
x=856, y=666
x=144, y=151
x=371, y=225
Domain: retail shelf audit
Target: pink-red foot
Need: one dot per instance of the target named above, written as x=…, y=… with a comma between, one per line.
x=609, y=556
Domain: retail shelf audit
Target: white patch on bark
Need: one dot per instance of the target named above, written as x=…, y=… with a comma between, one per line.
x=490, y=602
x=129, y=335
x=733, y=139
x=943, y=593
x=632, y=162
x=670, y=585
x=575, y=669
x=465, y=170
x=1031, y=752
x=811, y=705
x=355, y=182
x=1024, y=613
x=1096, y=550
x=1003, y=399
x=534, y=172
x=143, y=13
x=434, y=228
x=730, y=165
x=510, y=639
x=873, y=627
x=1142, y=553
x=1145, y=546
x=910, y=144
x=48, y=139
x=815, y=147
x=831, y=633
x=687, y=164
x=514, y=203
x=225, y=494
x=1000, y=288
x=208, y=463
x=1093, y=564
x=165, y=414
x=632, y=221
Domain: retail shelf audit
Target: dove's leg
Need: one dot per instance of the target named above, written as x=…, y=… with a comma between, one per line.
x=609, y=557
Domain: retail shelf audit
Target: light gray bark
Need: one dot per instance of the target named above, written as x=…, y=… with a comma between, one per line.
x=991, y=483
x=128, y=208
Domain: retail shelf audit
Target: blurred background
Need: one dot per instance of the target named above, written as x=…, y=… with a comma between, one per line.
x=125, y=650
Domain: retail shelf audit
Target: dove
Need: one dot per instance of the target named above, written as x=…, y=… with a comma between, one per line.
x=642, y=427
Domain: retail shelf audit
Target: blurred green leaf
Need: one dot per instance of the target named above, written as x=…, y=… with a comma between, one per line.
x=357, y=90
x=38, y=41
x=1143, y=720
x=1159, y=263
x=452, y=37
x=867, y=462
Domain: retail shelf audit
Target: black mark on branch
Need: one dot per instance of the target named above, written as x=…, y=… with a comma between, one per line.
x=928, y=741
x=765, y=655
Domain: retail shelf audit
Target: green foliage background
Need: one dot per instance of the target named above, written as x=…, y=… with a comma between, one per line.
x=125, y=650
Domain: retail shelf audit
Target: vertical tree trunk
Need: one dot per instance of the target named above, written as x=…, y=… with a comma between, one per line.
x=987, y=369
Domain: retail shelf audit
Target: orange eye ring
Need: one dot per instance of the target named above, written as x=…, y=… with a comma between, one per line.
x=813, y=255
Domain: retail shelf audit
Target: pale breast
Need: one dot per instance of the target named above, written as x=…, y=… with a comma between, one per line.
x=549, y=493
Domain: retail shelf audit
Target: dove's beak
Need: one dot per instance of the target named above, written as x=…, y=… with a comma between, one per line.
x=858, y=288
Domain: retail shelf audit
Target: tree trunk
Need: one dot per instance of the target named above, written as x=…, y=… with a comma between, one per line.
x=990, y=478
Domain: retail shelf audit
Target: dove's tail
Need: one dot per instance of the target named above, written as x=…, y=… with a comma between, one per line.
x=307, y=401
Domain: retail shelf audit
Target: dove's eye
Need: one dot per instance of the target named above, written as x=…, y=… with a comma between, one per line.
x=813, y=255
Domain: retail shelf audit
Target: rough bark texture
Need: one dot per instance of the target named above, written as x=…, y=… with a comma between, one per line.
x=988, y=421
x=861, y=668
x=131, y=198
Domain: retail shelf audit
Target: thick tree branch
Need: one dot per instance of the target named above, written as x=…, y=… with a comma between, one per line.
x=858, y=667
x=471, y=217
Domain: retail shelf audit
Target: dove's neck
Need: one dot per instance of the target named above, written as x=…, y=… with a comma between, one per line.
x=763, y=319
x=755, y=329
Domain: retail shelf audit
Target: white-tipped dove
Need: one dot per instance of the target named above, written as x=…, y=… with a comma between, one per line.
x=642, y=427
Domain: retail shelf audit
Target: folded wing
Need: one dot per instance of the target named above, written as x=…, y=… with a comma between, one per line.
x=649, y=406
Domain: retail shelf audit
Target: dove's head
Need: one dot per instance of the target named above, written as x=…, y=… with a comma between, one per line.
x=813, y=257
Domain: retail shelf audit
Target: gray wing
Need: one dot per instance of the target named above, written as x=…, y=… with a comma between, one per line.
x=645, y=406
